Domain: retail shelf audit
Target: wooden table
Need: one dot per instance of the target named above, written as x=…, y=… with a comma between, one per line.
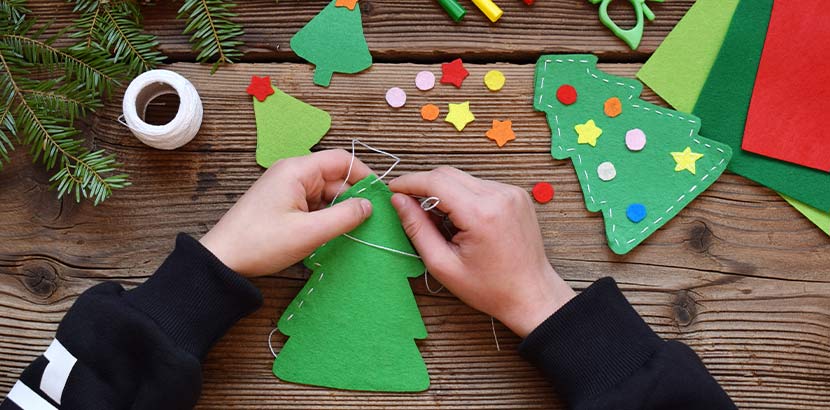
x=739, y=275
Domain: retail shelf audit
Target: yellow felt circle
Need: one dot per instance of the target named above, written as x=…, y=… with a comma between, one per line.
x=494, y=80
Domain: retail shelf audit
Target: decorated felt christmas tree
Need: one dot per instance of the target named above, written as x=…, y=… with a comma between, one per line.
x=333, y=41
x=354, y=323
x=286, y=127
x=638, y=163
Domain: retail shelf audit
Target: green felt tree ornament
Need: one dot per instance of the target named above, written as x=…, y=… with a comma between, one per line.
x=286, y=127
x=353, y=325
x=333, y=41
x=637, y=163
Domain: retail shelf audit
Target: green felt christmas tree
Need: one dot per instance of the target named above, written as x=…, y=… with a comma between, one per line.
x=286, y=127
x=638, y=163
x=333, y=41
x=353, y=325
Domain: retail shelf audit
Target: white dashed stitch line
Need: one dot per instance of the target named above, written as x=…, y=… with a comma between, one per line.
x=291, y=316
x=312, y=255
x=317, y=264
x=692, y=189
x=299, y=305
x=362, y=189
x=309, y=291
x=542, y=84
x=637, y=106
x=321, y=277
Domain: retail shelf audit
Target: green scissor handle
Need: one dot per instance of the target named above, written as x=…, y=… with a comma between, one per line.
x=633, y=35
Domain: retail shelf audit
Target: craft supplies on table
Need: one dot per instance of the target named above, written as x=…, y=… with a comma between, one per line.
x=147, y=87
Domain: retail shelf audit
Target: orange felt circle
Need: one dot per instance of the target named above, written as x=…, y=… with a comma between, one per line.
x=430, y=112
x=613, y=107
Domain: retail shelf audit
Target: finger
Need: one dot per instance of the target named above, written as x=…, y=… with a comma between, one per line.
x=436, y=252
x=454, y=195
x=329, y=223
x=334, y=164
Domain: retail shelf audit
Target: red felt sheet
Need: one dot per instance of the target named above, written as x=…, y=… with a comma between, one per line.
x=788, y=115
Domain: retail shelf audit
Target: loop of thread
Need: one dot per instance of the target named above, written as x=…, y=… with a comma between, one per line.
x=151, y=85
x=270, y=346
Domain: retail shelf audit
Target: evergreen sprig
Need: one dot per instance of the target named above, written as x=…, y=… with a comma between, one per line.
x=114, y=26
x=44, y=89
x=214, y=34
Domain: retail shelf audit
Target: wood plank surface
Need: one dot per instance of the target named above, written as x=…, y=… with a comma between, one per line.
x=407, y=30
x=739, y=275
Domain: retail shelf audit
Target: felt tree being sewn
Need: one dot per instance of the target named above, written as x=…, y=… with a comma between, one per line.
x=333, y=41
x=353, y=325
x=638, y=163
x=286, y=127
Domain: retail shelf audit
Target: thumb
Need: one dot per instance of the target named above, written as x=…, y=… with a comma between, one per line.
x=338, y=219
x=424, y=235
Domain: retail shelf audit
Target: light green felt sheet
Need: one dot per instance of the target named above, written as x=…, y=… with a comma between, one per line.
x=287, y=127
x=645, y=177
x=821, y=219
x=724, y=102
x=333, y=41
x=354, y=323
x=679, y=67
x=673, y=76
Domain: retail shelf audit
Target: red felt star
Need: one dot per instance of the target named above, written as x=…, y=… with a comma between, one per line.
x=349, y=4
x=260, y=87
x=454, y=73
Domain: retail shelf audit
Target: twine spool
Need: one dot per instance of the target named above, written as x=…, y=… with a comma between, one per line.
x=146, y=88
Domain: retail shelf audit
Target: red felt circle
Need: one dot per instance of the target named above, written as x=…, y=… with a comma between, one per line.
x=543, y=192
x=566, y=94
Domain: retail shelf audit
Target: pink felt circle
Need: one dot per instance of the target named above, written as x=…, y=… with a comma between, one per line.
x=635, y=139
x=396, y=97
x=425, y=80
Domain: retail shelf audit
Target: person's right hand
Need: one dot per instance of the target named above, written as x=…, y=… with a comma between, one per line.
x=496, y=263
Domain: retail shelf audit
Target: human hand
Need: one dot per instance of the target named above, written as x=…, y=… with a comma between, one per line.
x=496, y=263
x=284, y=216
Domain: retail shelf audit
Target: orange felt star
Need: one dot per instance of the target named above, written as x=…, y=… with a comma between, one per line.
x=260, y=87
x=501, y=132
x=349, y=4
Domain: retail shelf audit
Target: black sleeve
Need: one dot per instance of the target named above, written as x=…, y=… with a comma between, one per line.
x=599, y=354
x=142, y=348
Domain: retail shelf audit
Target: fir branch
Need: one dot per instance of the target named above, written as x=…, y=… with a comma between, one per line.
x=214, y=33
x=33, y=111
x=114, y=28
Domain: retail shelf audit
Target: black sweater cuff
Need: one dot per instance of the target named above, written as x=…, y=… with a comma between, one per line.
x=592, y=343
x=194, y=297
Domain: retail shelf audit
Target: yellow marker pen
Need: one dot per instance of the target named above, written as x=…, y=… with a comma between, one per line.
x=490, y=9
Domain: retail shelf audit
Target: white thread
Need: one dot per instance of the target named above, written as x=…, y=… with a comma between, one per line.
x=426, y=282
x=351, y=165
x=270, y=346
x=358, y=240
x=151, y=85
x=428, y=204
x=495, y=336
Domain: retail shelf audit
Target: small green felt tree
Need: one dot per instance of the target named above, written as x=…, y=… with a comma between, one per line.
x=638, y=163
x=333, y=41
x=354, y=323
x=285, y=126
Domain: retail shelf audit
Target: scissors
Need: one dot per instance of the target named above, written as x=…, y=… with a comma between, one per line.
x=633, y=35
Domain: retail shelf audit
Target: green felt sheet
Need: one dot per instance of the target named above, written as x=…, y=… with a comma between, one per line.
x=333, y=41
x=287, y=127
x=647, y=177
x=677, y=80
x=821, y=219
x=724, y=102
x=679, y=67
x=354, y=323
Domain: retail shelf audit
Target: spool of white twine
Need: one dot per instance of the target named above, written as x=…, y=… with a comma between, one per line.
x=151, y=85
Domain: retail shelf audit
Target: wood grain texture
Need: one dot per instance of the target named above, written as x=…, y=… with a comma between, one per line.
x=738, y=275
x=406, y=30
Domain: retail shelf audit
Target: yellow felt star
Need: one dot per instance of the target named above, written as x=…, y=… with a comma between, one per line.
x=349, y=4
x=460, y=115
x=588, y=133
x=686, y=160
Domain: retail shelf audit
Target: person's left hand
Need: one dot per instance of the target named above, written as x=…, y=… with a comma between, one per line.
x=285, y=216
